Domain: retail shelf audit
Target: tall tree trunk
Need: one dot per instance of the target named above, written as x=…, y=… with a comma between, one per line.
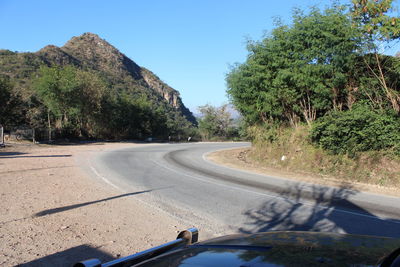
x=391, y=95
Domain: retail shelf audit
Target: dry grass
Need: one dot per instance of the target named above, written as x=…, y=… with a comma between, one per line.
x=373, y=167
x=373, y=171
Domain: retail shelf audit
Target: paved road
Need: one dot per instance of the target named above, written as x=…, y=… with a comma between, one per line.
x=179, y=180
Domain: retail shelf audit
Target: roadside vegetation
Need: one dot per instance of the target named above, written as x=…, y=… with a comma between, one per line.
x=217, y=124
x=78, y=103
x=318, y=96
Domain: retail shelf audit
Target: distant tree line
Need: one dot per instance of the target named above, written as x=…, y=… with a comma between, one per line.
x=322, y=70
x=79, y=103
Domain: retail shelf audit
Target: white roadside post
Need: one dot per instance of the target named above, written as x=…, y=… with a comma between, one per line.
x=1, y=136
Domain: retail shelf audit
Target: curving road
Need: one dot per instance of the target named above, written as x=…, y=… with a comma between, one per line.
x=179, y=180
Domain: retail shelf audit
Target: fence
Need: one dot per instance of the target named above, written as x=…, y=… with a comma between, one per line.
x=20, y=133
x=43, y=134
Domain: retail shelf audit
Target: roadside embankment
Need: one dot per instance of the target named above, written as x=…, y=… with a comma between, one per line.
x=257, y=161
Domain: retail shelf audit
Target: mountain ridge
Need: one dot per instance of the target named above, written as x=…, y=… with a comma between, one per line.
x=89, y=51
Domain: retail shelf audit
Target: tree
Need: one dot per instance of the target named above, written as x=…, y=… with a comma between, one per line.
x=11, y=108
x=72, y=96
x=378, y=27
x=88, y=97
x=298, y=72
x=215, y=122
x=55, y=86
x=373, y=16
x=5, y=96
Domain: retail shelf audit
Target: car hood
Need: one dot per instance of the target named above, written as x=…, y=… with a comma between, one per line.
x=282, y=249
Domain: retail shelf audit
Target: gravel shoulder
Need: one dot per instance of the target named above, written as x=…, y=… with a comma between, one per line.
x=237, y=159
x=54, y=213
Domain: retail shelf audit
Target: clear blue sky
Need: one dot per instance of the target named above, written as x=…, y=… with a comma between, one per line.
x=189, y=44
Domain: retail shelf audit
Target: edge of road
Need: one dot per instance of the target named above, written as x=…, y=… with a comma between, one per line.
x=383, y=205
x=387, y=207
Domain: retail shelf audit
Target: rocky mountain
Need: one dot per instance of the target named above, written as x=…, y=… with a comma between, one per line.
x=89, y=51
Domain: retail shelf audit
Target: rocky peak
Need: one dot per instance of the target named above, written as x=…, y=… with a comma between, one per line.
x=90, y=48
x=51, y=54
x=90, y=40
x=48, y=48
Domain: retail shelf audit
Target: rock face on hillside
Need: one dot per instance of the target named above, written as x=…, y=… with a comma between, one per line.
x=163, y=89
x=92, y=50
x=89, y=51
x=52, y=54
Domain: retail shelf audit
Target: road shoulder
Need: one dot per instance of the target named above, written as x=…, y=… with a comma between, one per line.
x=54, y=213
x=236, y=158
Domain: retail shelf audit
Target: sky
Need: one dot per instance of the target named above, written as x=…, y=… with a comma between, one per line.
x=189, y=44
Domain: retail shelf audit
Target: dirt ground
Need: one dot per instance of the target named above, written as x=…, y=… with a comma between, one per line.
x=237, y=158
x=53, y=213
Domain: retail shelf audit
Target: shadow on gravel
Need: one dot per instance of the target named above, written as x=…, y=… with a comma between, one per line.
x=70, y=256
x=91, y=142
x=331, y=211
x=75, y=206
x=14, y=155
x=37, y=169
x=8, y=154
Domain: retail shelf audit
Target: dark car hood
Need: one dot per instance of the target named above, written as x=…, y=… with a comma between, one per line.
x=282, y=249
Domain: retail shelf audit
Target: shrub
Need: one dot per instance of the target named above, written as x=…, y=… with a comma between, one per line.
x=359, y=129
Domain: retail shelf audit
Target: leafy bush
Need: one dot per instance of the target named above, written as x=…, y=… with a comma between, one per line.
x=359, y=129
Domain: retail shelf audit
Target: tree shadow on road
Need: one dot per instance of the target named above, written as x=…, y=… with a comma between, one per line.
x=325, y=209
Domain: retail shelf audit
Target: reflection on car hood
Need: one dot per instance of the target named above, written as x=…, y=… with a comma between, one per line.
x=282, y=249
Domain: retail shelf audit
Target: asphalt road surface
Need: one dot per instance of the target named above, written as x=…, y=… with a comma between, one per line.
x=177, y=178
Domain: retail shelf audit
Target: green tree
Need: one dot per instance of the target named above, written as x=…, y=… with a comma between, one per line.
x=374, y=17
x=11, y=108
x=88, y=98
x=72, y=96
x=299, y=72
x=379, y=28
x=5, y=96
x=215, y=122
x=55, y=87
